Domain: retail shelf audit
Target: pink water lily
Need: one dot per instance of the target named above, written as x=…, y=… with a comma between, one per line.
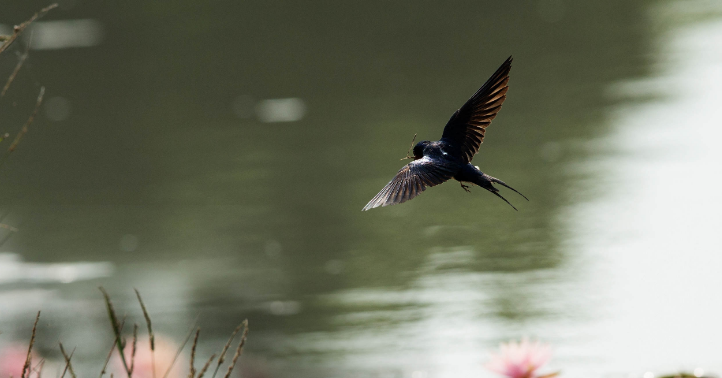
x=12, y=361
x=521, y=360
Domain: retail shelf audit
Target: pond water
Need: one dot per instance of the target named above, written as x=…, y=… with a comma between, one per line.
x=216, y=156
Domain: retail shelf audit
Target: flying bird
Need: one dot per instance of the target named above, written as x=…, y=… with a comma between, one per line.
x=438, y=161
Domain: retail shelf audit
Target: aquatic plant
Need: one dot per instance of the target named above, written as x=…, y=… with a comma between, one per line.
x=521, y=359
x=142, y=356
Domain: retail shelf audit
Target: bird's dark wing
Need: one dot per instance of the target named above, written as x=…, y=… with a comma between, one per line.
x=465, y=130
x=411, y=180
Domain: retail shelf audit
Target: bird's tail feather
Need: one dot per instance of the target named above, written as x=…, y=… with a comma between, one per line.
x=502, y=183
x=500, y=196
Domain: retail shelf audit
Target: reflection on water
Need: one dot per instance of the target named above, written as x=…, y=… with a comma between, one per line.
x=281, y=110
x=164, y=175
x=653, y=230
x=13, y=270
x=64, y=34
x=54, y=35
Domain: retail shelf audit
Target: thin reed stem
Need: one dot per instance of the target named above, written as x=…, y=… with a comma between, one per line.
x=68, y=365
x=239, y=350
x=192, y=369
x=116, y=329
x=205, y=367
x=18, y=66
x=39, y=368
x=28, y=358
x=107, y=359
x=112, y=348
x=20, y=28
x=132, y=353
x=222, y=357
x=180, y=349
x=151, y=336
x=25, y=127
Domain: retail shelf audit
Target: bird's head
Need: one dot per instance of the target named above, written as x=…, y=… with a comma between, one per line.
x=419, y=149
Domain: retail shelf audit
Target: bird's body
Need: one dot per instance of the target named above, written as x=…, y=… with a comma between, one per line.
x=438, y=161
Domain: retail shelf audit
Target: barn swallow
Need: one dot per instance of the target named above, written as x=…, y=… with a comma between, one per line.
x=438, y=161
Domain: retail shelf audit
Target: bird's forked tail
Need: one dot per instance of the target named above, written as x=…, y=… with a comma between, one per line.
x=495, y=191
x=502, y=183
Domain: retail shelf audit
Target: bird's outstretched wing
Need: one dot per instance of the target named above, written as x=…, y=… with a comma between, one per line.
x=411, y=180
x=465, y=130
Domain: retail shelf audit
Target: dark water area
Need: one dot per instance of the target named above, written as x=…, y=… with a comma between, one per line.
x=216, y=156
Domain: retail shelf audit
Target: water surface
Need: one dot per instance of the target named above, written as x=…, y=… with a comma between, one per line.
x=216, y=156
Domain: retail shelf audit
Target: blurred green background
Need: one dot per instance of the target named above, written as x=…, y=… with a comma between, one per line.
x=158, y=163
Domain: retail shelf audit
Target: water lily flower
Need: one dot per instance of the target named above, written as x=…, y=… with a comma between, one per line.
x=521, y=360
x=12, y=361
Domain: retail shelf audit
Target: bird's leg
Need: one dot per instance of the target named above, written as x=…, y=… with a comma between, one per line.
x=407, y=152
x=466, y=187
